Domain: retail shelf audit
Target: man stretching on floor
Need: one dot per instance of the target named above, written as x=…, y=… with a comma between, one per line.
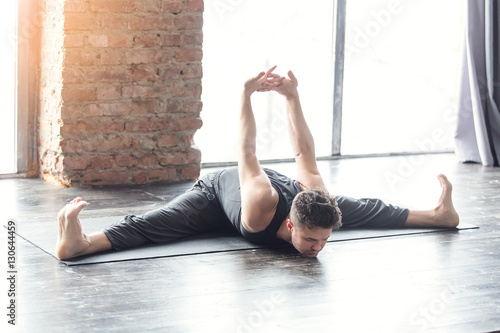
x=263, y=205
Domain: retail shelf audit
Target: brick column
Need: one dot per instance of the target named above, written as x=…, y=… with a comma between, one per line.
x=120, y=91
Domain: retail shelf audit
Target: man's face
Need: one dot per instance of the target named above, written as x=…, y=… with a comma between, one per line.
x=309, y=241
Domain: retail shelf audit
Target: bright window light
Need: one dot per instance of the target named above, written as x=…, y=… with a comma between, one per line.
x=242, y=38
x=8, y=84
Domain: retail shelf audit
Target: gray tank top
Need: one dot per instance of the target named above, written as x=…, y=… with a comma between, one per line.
x=227, y=190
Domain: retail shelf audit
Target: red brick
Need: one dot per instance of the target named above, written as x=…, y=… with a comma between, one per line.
x=194, y=5
x=186, y=140
x=71, y=75
x=109, y=76
x=107, y=144
x=71, y=112
x=169, y=73
x=98, y=40
x=164, y=56
x=144, y=142
x=75, y=6
x=192, y=71
x=140, y=177
x=194, y=156
x=112, y=6
x=148, y=124
x=141, y=92
x=144, y=74
x=148, y=23
x=190, y=22
x=181, y=124
x=162, y=175
x=140, y=57
x=79, y=21
x=74, y=40
x=102, y=162
x=174, y=7
x=149, y=6
x=139, y=125
x=125, y=161
x=110, y=40
x=187, y=55
x=180, y=89
x=111, y=58
x=160, y=124
x=78, y=94
x=195, y=90
x=106, y=178
x=167, y=22
x=148, y=161
x=78, y=57
x=108, y=93
x=113, y=21
x=143, y=107
x=80, y=128
x=170, y=40
x=195, y=39
x=107, y=109
x=194, y=107
x=173, y=105
x=76, y=163
x=175, y=158
x=190, y=173
x=111, y=126
x=71, y=146
x=146, y=40
x=168, y=141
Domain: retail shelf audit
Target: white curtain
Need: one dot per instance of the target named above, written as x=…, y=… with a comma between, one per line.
x=477, y=138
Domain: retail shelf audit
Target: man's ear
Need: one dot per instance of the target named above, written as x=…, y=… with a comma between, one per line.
x=289, y=225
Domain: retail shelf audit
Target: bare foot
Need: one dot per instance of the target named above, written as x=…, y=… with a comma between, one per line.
x=445, y=214
x=72, y=242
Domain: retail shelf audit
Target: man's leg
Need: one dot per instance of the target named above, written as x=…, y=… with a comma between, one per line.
x=443, y=215
x=72, y=242
x=193, y=212
x=375, y=213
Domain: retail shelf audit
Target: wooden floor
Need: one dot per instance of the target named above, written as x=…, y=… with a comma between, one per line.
x=443, y=282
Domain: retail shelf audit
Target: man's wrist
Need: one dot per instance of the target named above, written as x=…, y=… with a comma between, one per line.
x=247, y=93
x=292, y=97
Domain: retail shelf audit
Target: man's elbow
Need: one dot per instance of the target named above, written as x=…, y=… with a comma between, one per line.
x=247, y=152
x=305, y=153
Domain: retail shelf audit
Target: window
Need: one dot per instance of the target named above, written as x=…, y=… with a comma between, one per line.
x=400, y=90
x=8, y=83
x=242, y=38
x=400, y=74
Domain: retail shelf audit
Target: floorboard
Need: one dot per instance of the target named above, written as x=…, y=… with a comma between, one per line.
x=445, y=282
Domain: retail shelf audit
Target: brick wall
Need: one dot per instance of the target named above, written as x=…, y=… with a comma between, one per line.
x=120, y=91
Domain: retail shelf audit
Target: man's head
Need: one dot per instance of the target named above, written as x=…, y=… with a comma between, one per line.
x=313, y=216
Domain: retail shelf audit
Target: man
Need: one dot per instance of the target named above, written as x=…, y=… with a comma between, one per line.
x=263, y=205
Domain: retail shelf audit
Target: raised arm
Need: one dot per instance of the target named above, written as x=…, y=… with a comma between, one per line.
x=300, y=136
x=258, y=198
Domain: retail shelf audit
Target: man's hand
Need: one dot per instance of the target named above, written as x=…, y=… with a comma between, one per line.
x=264, y=81
x=288, y=86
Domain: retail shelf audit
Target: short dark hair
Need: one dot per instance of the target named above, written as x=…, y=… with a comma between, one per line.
x=316, y=208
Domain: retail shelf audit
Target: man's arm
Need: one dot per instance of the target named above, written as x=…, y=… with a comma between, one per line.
x=300, y=136
x=258, y=198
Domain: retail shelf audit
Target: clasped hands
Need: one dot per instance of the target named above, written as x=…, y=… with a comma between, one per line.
x=269, y=81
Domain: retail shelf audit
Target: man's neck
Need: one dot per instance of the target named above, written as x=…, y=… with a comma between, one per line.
x=283, y=232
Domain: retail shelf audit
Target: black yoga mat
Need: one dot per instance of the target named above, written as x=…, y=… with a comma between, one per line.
x=44, y=236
